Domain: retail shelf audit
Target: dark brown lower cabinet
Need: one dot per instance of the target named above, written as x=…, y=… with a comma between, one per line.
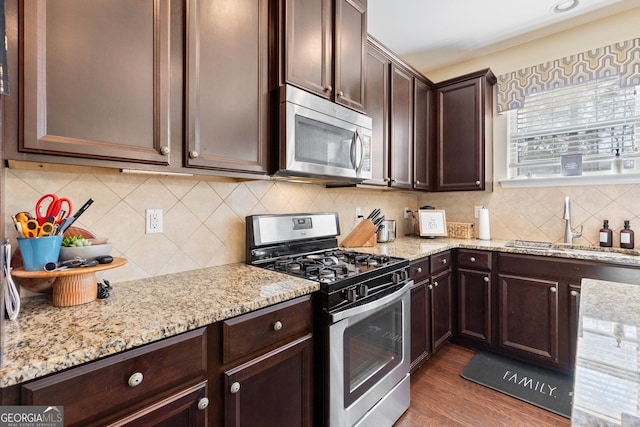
x=420, y=324
x=574, y=324
x=528, y=317
x=475, y=305
x=272, y=390
x=441, y=308
x=163, y=383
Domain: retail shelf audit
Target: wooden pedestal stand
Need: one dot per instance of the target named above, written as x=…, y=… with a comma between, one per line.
x=74, y=286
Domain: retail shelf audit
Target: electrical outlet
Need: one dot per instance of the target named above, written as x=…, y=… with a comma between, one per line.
x=154, y=221
x=407, y=213
x=476, y=211
x=358, y=213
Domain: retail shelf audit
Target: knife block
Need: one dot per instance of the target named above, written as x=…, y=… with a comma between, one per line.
x=363, y=235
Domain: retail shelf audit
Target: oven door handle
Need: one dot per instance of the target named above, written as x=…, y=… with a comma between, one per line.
x=336, y=317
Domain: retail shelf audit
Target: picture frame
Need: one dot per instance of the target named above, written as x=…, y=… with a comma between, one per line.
x=571, y=165
x=433, y=222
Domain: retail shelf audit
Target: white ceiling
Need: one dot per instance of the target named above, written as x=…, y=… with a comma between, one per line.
x=432, y=34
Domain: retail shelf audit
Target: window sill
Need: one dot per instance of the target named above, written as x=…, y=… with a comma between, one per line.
x=559, y=181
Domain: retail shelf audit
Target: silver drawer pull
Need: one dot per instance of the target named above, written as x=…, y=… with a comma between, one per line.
x=553, y=289
x=486, y=279
x=430, y=286
x=165, y=150
x=277, y=326
x=574, y=293
x=473, y=259
x=435, y=283
x=419, y=270
x=444, y=260
x=235, y=387
x=203, y=403
x=135, y=379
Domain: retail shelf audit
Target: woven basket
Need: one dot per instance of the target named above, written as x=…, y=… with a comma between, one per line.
x=460, y=230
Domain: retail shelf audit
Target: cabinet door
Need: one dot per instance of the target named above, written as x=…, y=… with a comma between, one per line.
x=377, y=107
x=460, y=139
x=441, y=309
x=528, y=317
x=401, y=127
x=422, y=143
x=420, y=324
x=227, y=85
x=350, y=44
x=308, y=45
x=272, y=390
x=187, y=408
x=96, y=79
x=474, y=305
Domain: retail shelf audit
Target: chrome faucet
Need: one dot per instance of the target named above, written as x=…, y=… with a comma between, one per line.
x=568, y=233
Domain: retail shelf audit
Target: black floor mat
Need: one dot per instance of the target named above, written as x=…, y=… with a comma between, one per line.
x=547, y=389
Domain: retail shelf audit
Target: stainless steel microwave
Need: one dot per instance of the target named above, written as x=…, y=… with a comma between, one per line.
x=321, y=140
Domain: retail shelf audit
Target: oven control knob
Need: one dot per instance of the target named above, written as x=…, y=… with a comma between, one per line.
x=351, y=295
x=395, y=278
x=363, y=290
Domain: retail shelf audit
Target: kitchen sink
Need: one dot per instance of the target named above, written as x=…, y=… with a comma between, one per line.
x=542, y=245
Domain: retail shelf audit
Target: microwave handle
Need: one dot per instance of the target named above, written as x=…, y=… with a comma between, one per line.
x=358, y=163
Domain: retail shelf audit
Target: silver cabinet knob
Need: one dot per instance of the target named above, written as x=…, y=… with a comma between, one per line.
x=477, y=182
x=135, y=379
x=574, y=293
x=277, y=326
x=553, y=289
x=165, y=150
x=387, y=179
x=430, y=286
x=435, y=284
x=419, y=270
x=394, y=181
x=486, y=279
x=417, y=182
x=235, y=387
x=473, y=259
x=444, y=261
x=340, y=94
x=193, y=154
x=203, y=403
x=328, y=88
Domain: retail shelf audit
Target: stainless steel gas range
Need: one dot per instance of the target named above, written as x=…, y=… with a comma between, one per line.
x=363, y=315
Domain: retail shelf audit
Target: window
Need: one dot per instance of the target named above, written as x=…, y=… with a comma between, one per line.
x=593, y=119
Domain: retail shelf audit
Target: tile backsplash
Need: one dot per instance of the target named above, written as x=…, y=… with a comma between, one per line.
x=203, y=222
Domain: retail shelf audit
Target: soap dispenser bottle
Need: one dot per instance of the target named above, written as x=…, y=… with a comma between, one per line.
x=626, y=236
x=618, y=163
x=606, y=235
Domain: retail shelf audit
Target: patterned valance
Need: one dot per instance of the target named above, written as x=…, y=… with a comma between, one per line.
x=620, y=59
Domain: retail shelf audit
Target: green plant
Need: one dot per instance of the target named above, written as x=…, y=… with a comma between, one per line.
x=75, y=241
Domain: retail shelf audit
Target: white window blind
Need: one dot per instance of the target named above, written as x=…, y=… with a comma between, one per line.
x=593, y=119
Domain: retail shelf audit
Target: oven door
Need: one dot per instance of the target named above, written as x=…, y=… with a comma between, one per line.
x=369, y=358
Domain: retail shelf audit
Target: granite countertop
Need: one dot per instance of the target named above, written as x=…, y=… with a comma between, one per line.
x=607, y=376
x=46, y=339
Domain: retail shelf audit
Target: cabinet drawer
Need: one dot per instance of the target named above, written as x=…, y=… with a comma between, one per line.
x=102, y=388
x=419, y=270
x=253, y=332
x=474, y=259
x=440, y=262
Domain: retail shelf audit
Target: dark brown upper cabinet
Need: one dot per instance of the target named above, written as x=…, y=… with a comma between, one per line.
x=320, y=46
x=423, y=134
x=227, y=93
x=464, y=132
x=94, y=79
x=400, y=102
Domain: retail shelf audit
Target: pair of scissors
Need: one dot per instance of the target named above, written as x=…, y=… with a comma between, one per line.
x=51, y=205
x=32, y=228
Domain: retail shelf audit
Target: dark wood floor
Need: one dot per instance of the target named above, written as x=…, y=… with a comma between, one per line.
x=441, y=397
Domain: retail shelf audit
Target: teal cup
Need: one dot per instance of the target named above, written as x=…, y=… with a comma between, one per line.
x=37, y=251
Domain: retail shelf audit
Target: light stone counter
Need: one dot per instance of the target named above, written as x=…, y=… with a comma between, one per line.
x=414, y=248
x=607, y=376
x=46, y=339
